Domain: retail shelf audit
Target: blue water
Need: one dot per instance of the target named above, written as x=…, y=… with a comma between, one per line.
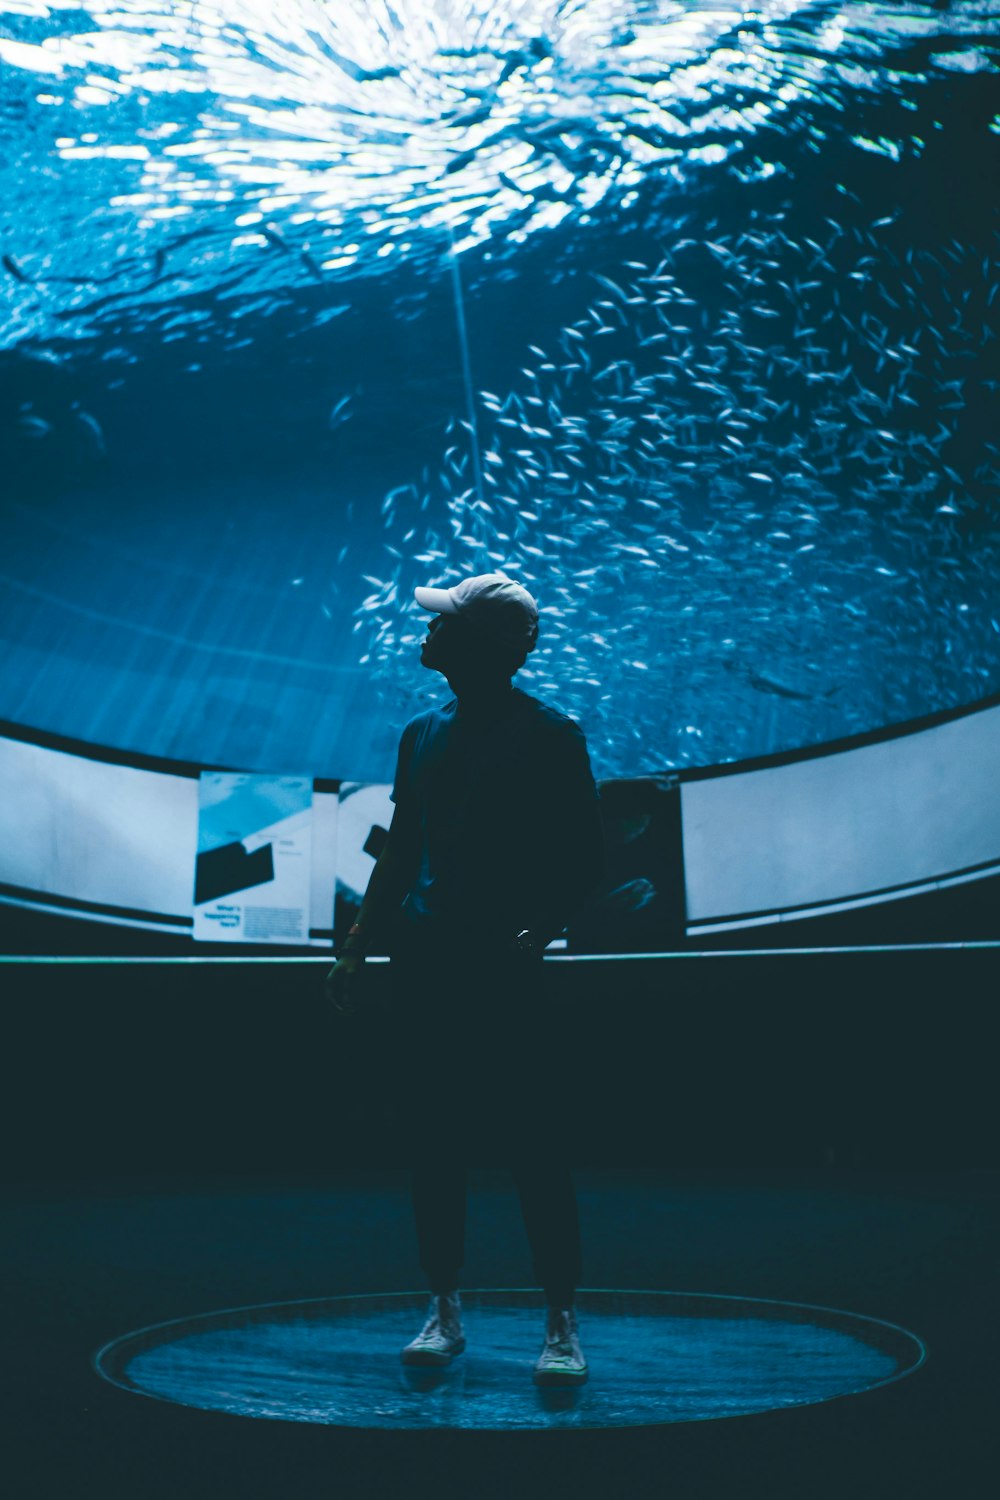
x=685, y=316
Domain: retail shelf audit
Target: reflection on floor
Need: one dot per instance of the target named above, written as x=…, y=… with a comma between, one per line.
x=653, y=1357
x=92, y=1261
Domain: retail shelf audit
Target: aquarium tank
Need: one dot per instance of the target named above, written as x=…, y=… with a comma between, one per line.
x=683, y=315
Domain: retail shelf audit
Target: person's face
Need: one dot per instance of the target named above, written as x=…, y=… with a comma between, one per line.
x=441, y=646
x=452, y=645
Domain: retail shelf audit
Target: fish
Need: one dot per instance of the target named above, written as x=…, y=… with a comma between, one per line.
x=18, y=273
x=788, y=426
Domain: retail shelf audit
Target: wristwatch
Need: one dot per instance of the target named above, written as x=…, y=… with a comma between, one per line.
x=345, y=947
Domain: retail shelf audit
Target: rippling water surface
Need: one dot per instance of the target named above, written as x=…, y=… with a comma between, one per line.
x=686, y=315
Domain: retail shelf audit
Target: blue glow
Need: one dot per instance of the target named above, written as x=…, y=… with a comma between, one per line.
x=654, y=1357
x=728, y=283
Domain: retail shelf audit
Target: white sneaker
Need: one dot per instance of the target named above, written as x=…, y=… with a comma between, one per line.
x=561, y=1361
x=441, y=1337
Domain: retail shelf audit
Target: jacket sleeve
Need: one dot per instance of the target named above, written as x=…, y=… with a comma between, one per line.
x=572, y=853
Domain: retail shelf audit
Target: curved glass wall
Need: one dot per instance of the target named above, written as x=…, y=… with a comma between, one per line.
x=684, y=315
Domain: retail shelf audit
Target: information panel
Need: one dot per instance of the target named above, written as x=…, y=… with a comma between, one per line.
x=252, y=875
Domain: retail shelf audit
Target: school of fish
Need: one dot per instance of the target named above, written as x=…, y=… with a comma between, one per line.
x=718, y=497
x=750, y=475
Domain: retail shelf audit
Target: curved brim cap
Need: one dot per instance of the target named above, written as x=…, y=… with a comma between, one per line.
x=437, y=600
x=491, y=602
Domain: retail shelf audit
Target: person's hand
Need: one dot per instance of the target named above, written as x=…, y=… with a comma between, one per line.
x=344, y=984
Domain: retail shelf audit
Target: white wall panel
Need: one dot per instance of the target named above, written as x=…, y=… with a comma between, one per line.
x=323, y=875
x=95, y=831
x=897, y=812
x=830, y=828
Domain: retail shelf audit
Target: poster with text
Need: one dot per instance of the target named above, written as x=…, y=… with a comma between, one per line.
x=252, y=876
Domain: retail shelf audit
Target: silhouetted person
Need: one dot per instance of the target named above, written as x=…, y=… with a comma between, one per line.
x=495, y=842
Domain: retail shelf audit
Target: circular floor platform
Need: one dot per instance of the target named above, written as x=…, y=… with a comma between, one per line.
x=654, y=1357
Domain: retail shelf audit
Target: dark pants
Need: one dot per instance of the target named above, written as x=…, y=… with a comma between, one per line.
x=478, y=1079
x=548, y=1207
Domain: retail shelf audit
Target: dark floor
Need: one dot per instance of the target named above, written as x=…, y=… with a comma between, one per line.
x=88, y=1262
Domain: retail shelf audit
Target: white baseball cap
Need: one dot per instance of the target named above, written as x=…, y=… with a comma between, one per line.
x=490, y=601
